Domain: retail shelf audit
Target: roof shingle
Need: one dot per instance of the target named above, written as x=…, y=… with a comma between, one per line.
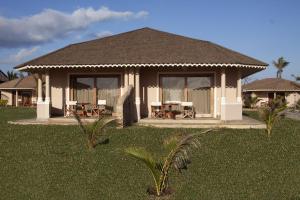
x=143, y=46
x=272, y=84
x=28, y=82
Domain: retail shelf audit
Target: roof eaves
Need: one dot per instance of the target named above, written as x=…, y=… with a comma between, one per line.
x=144, y=65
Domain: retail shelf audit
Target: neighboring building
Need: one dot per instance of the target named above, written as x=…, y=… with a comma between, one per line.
x=3, y=77
x=160, y=66
x=20, y=91
x=269, y=88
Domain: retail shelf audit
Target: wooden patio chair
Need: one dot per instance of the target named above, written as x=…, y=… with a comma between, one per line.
x=99, y=109
x=188, y=110
x=156, y=110
x=70, y=108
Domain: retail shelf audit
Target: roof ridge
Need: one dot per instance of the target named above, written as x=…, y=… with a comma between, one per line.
x=110, y=36
x=139, y=29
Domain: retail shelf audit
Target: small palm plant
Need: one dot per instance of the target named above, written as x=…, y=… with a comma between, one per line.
x=95, y=130
x=178, y=148
x=272, y=112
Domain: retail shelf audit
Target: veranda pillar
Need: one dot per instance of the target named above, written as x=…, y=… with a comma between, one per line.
x=223, y=94
x=137, y=93
x=43, y=107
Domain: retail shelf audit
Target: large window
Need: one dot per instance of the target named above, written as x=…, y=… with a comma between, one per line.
x=193, y=88
x=90, y=89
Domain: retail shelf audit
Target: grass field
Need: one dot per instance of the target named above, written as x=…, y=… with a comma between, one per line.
x=53, y=162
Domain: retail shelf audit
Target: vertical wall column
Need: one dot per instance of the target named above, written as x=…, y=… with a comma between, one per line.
x=17, y=98
x=126, y=78
x=239, y=87
x=40, y=89
x=137, y=93
x=223, y=86
x=47, y=82
x=223, y=94
x=131, y=77
x=43, y=107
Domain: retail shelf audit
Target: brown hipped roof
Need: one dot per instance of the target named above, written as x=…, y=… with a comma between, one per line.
x=28, y=82
x=272, y=84
x=143, y=46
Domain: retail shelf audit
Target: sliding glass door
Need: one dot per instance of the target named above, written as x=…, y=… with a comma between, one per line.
x=192, y=88
x=90, y=89
x=108, y=89
x=198, y=92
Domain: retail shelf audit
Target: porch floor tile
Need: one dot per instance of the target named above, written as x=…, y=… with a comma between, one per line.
x=246, y=123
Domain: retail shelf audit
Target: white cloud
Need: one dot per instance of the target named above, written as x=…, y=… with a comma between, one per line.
x=103, y=34
x=22, y=55
x=51, y=24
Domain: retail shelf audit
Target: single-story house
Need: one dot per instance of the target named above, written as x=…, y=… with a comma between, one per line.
x=269, y=88
x=20, y=91
x=159, y=66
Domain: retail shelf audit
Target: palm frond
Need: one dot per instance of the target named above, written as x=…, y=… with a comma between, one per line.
x=94, y=130
x=179, y=155
x=80, y=123
x=280, y=64
x=143, y=155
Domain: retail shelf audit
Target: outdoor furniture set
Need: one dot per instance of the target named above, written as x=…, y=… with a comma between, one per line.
x=170, y=109
x=85, y=109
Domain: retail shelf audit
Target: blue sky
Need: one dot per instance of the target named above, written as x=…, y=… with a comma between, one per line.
x=264, y=29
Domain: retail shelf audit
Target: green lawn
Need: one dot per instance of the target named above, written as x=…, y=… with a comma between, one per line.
x=52, y=162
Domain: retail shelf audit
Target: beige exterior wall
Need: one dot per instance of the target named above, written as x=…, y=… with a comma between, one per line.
x=290, y=97
x=293, y=98
x=149, y=85
x=59, y=82
x=231, y=82
x=9, y=96
x=10, y=93
x=58, y=89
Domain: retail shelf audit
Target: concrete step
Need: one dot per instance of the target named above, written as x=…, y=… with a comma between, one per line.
x=218, y=125
x=179, y=121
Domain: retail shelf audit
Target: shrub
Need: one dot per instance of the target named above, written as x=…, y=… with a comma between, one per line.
x=250, y=102
x=3, y=102
x=297, y=105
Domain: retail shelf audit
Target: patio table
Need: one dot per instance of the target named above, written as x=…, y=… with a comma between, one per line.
x=83, y=108
x=167, y=109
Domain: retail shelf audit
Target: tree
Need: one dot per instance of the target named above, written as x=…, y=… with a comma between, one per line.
x=280, y=64
x=272, y=112
x=178, y=148
x=297, y=78
x=12, y=75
